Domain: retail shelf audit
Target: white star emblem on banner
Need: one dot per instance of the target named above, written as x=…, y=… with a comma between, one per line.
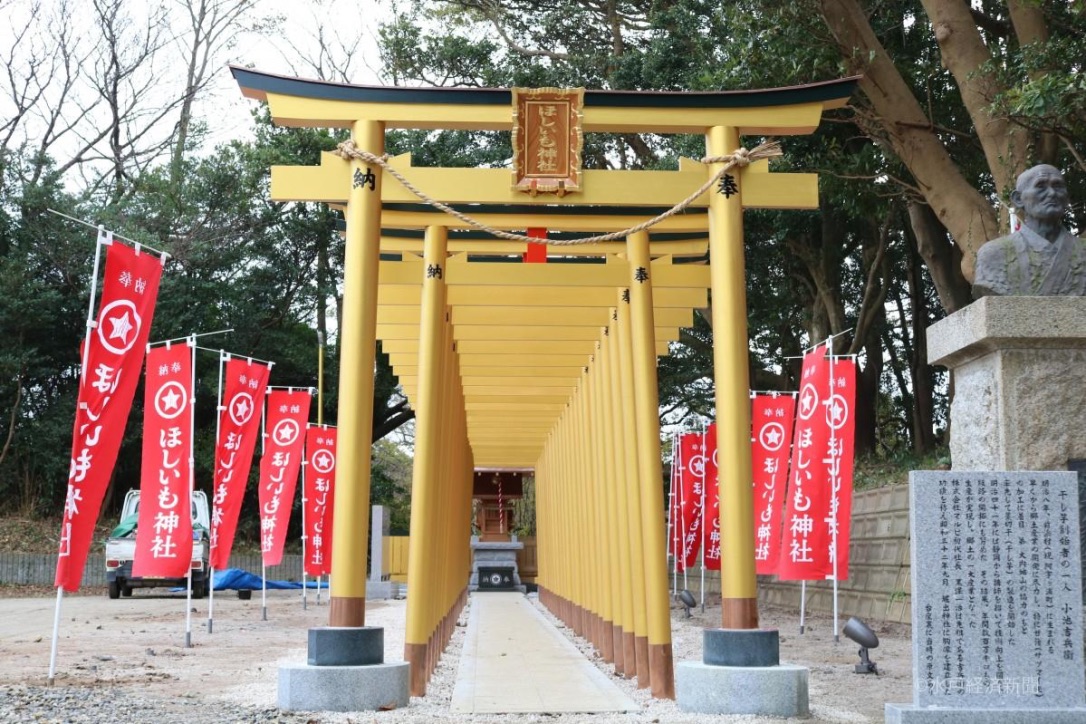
x=170, y=400
x=323, y=461
x=122, y=325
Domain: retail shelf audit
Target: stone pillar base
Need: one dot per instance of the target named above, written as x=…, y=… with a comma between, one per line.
x=345, y=671
x=346, y=646
x=741, y=647
x=913, y=714
x=763, y=691
x=343, y=688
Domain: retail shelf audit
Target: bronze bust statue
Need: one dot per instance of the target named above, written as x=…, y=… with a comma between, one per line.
x=1042, y=258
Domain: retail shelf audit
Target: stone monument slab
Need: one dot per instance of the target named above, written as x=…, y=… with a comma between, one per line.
x=997, y=598
x=379, y=585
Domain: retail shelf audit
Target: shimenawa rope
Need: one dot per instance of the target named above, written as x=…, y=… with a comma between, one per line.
x=740, y=158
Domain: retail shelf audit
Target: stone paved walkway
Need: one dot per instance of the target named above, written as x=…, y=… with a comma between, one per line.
x=515, y=661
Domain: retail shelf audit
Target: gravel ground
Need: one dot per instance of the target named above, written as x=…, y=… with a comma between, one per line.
x=125, y=660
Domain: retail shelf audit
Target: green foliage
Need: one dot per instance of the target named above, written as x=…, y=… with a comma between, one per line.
x=390, y=484
x=238, y=261
x=44, y=274
x=808, y=276
x=881, y=471
x=524, y=511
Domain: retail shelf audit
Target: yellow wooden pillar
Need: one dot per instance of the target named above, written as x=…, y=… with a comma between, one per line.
x=358, y=340
x=432, y=373
x=440, y=526
x=636, y=645
x=547, y=524
x=543, y=522
x=570, y=587
x=577, y=505
x=590, y=555
x=561, y=522
x=598, y=488
x=613, y=575
x=604, y=562
x=647, y=405
x=739, y=592
x=622, y=519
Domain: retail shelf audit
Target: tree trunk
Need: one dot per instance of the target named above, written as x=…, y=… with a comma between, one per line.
x=867, y=394
x=964, y=54
x=941, y=255
x=923, y=382
x=961, y=208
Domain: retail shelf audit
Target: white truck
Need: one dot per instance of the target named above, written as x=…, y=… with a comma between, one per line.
x=121, y=550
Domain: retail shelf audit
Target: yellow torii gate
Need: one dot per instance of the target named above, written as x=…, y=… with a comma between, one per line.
x=544, y=366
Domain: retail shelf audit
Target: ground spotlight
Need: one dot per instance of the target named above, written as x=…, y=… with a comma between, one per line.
x=859, y=632
x=687, y=600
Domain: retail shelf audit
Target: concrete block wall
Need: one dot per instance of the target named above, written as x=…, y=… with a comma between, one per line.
x=40, y=568
x=877, y=588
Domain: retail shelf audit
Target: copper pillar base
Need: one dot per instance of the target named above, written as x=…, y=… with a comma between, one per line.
x=415, y=655
x=629, y=654
x=662, y=671
x=739, y=613
x=616, y=648
x=641, y=649
x=344, y=611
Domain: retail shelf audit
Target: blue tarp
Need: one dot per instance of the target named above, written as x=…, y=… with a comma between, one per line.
x=236, y=578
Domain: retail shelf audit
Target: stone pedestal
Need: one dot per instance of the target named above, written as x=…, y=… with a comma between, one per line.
x=1019, y=366
x=345, y=671
x=495, y=555
x=741, y=673
x=771, y=691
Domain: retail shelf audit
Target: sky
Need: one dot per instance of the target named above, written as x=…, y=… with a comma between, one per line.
x=346, y=23
x=279, y=36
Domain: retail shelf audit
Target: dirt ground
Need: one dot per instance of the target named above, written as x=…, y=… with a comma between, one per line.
x=137, y=643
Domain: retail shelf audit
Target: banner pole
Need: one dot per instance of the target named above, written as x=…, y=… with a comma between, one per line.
x=218, y=431
x=701, y=511
x=320, y=422
x=834, y=502
x=192, y=472
x=682, y=516
x=263, y=589
x=105, y=238
x=305, y=583
x=802, y=603
x=672, y=547
x=263, y=568
x=56, y=633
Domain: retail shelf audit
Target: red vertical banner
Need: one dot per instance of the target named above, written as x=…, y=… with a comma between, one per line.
x=805, y=536
x=288, y=411
x=710, y=556
x=771, y=431
x=691, y=488
x=839, y=460
x=112, y=358
x=164, y=530
x=320, y=479
x=246, y=383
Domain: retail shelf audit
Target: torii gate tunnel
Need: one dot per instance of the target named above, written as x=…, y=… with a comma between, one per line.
x=548, y=366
